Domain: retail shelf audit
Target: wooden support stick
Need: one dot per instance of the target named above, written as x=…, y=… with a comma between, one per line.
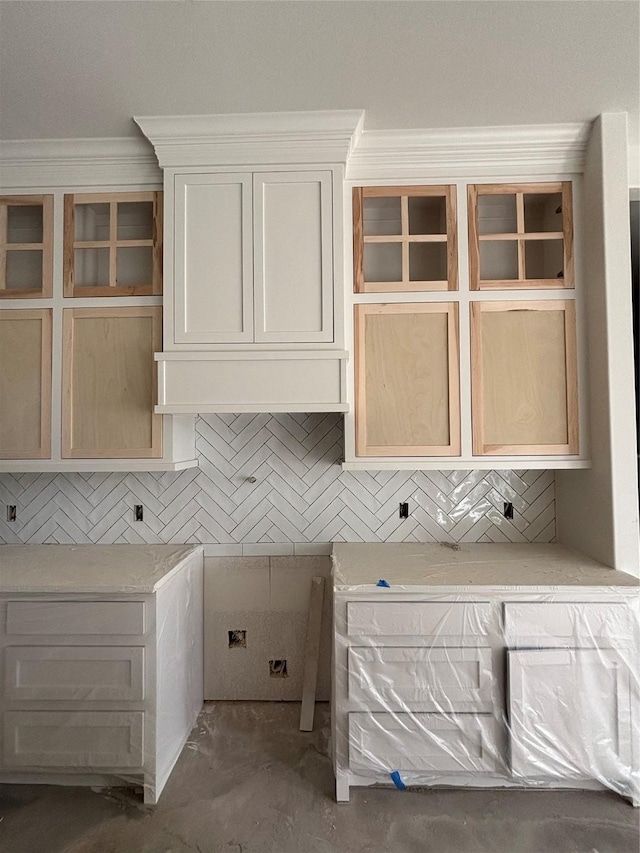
x=311, y=655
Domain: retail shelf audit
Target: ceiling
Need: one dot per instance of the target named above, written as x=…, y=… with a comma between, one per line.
x=83, y=69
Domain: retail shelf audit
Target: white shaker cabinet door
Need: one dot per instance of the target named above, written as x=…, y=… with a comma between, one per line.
x=570, y=714
x=293, y=232
x=213, y=275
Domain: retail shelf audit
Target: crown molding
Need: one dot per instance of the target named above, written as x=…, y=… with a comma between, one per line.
x=253, y=139
x=470, y=152
x=115, y=161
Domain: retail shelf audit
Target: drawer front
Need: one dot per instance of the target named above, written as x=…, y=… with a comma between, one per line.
x=89, y=618
x=421, y=743
x=584, y=623
x=418, y=619
x=79, y=673
x=73, y=739
x=424, y=679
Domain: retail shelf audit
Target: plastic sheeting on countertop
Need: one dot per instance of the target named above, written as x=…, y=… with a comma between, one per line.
x=463, y=670
x=89, y=568
x=415, y=565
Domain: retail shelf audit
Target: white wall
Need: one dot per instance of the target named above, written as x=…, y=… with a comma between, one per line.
x=597, y=509
x=81, y=69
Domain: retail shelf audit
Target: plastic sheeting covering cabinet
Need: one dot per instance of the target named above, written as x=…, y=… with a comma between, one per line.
x=447, y=673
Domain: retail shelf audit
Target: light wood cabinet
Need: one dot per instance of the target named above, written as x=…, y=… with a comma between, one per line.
x=405, y=239
x=109, y=382
x=407, y=379
x=113, y=244
x=524, y=377
x=26, y=246
x=520, y=236
x=518, y=350
x=25, y=383
x=253, y=258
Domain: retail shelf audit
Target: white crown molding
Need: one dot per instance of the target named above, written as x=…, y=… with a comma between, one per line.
x=469, y=152
x=253, y=139
x=26, y=163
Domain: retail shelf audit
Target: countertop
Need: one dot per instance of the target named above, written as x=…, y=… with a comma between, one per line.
x=89, y=568
x=501, y=565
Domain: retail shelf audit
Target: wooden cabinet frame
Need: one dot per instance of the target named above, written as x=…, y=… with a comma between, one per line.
x=46, y=246
x=113, y=244
x=520, y=235
x=480, y=445
x=68, y=355
x=363, y=446
x=43, y=451
x=450, y=237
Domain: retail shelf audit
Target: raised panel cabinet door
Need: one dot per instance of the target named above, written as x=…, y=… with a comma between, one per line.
x=109, y=383
x=407, y=379
x=293, y=257
x=25, y=384
x=213, y=274
x=524, y=378
x=570, y=714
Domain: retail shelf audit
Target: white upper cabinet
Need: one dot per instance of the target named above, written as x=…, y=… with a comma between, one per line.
x=213, y=259
x=253, y=258
x=293, y=263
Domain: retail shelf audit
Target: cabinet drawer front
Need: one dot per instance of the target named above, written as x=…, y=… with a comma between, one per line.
x=425, y=679
x=421, y=743
x=406, y=618
x=73, y=739
x=74, y=672
x=544, y=624
x=75, y=617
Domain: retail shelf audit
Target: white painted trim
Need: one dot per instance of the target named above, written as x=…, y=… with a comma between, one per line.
x=253, y=139
x=476, y=463
x=237, y=408
x=23, y=466
x=106, y=163
x=252, y=355
x=473, y=152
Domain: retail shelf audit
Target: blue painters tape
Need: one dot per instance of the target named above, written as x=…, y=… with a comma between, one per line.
x=382, y=582
x=397, y=781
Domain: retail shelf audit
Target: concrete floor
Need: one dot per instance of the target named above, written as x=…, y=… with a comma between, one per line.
x=250, y=782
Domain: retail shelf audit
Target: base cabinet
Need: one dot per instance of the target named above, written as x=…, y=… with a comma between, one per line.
x=101, y=689
x=490, y=688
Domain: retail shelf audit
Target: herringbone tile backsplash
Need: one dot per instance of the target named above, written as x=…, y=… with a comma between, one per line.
x=300, y=495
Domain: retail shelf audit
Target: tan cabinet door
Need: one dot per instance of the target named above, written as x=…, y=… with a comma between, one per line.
x=25, y=384
x=109, y=383
x=407, y=379
x=524, y=380
x=26, y=246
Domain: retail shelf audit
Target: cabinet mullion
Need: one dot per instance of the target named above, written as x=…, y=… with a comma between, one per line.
x=113, y=250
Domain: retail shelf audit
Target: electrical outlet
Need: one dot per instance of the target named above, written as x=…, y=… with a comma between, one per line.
x=404, y=510
x=278, y=669
x=12, y=513
x=138, y=512
x=508, y=510
x=237, y=639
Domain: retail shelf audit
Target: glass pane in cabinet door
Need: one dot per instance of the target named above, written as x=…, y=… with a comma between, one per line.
x=544, y=259
x=383, y=262
x=498, y=260
x=427, y=261
x=24, y=270
x=135, y=220
x=497, y=214
x=92, y=222
x=24, y=223
x=134, y=266
x=91, y=268
x=427, y=215
x=381, y=216
x=542, y=212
